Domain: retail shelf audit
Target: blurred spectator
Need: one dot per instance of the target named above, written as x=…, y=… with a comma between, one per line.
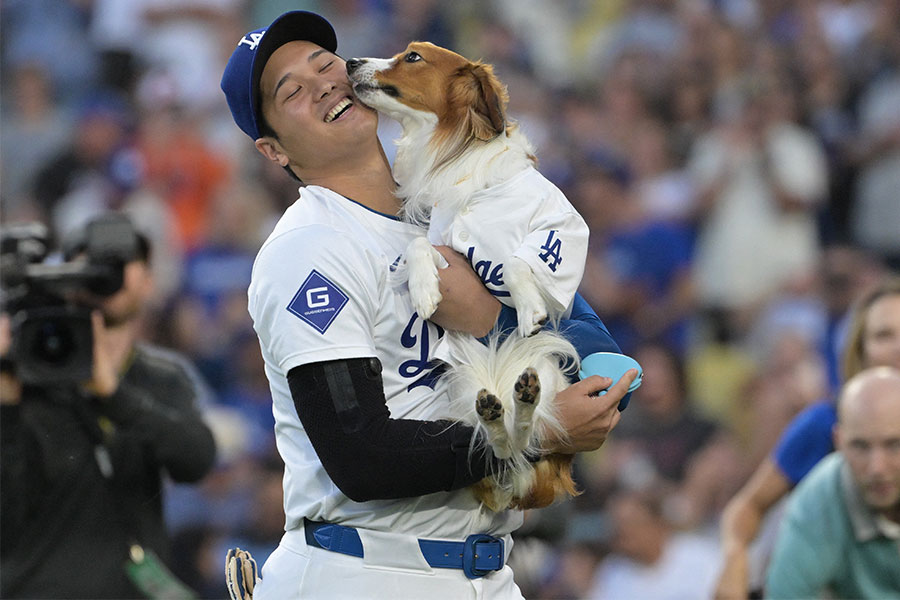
x=541, y=28
x=420, y=20
x=95, y=171
x=116, y=30
x=720, y=372
x=664, y=192
x=760, y=179
x=262, y=529
x=790, y=380
x=246, y=389
x=665, y=447
x=876, y=212
x=52, y=33
x=826, y=98
x=180, y=168
x=572, y=573
x=35, y=128
x=638, y=269
x=213, y=293
x=845, y=24
x=181, y=38
x=199, y=549
x=842, y=525
x=664, y=428
x=872, y=340
x=258, y=529
x=847, y=273
x=651, y=560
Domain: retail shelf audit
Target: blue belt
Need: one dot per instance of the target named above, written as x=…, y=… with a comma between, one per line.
x=477, y=556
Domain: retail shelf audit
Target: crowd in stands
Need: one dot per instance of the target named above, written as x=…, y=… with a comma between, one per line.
x=738, y=162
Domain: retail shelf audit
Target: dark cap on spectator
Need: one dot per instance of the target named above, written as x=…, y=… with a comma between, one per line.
x=240, y=82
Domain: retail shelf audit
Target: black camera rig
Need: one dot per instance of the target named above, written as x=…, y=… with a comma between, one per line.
x=50, y=303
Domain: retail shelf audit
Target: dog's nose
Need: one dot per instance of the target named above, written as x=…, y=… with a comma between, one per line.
x=353, y=64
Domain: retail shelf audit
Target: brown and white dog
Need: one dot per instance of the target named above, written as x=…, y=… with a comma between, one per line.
x=469, y=175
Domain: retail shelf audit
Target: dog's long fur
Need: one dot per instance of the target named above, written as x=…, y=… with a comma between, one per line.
x=496, y=367
x=456, y=141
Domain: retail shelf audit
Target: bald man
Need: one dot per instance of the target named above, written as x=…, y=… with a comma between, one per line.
x=842, y=529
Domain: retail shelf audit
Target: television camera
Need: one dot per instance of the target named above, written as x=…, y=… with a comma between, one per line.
x=50, y=301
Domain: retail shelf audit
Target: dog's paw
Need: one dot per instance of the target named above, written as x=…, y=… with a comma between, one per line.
x=490, y=412
x=531, y=319
x=527, y=389
x=424, y=280
x=531, y=310
x=526, y=395
x=488, y=406
x=425, y=296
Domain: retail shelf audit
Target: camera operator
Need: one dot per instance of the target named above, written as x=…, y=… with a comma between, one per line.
x=82, y=464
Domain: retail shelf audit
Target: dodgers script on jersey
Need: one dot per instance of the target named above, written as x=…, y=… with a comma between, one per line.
x=331, y=283
x=528, y=217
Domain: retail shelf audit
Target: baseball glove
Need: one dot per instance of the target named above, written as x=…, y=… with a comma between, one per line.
x=240, y=574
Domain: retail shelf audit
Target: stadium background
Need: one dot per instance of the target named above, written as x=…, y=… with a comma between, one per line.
x=114, y=104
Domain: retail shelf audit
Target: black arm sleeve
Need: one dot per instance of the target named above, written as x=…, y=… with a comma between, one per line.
x=368, y=454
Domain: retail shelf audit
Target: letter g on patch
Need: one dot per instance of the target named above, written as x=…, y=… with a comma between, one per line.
x=318, y=301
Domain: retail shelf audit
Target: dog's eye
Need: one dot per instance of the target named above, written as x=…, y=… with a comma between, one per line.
x=412, y=57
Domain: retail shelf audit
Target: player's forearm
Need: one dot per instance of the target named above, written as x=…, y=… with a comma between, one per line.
x=367, y=454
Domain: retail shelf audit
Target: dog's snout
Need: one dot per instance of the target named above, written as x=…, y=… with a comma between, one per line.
x=353, y=64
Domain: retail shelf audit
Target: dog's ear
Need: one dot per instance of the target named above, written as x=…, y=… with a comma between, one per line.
x=488, y=102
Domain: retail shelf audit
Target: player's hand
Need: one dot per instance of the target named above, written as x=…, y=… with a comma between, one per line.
x=587, y=418
x=105, y=376
x=466, y=304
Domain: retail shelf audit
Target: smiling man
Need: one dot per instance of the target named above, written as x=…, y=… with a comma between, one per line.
x=842, y=529
x=375, y=483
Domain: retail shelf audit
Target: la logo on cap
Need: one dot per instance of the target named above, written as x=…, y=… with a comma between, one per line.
x=254, y=40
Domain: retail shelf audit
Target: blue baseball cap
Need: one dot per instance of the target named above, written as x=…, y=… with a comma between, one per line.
x=240, y=82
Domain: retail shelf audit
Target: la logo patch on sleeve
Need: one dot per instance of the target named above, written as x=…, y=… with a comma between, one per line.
x=318, y=301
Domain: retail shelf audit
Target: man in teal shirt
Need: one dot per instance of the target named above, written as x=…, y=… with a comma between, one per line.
x=841, y=532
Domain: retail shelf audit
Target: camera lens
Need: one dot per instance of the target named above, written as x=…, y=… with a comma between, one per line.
x=55, y=342
x=53, y=345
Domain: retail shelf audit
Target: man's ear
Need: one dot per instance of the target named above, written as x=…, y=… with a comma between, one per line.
x=836, y=436
x=271, y=149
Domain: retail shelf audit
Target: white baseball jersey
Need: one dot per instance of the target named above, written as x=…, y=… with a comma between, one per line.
x=525, y=216
x=331, y=283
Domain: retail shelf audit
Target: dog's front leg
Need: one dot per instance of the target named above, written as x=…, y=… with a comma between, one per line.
x=526, y=395
x=531, y=310
x=424, y=280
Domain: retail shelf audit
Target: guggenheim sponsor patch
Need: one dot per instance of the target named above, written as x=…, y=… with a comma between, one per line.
x=318, y=301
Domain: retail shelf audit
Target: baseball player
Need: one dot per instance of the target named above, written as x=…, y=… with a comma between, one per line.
x=374, y=482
